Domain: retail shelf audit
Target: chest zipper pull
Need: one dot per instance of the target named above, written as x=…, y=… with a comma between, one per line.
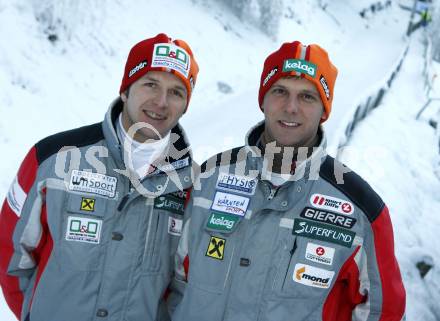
x=272, y=193
x=123, y=202
x=292, y=252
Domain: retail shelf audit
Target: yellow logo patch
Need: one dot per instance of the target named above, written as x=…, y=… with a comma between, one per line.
x=88, y=204
x=216, y=248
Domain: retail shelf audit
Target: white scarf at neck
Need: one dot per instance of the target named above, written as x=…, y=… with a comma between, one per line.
x=142, y=155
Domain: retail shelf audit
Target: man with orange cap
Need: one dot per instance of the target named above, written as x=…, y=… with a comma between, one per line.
x=91, y=223
x=279, y=230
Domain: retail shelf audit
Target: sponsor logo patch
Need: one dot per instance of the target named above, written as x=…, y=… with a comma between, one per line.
x=170, y=203
x=239, y=184
x=16, y=197
x=312, y=276
x=230, y=203
x=216, y=248
x=137, y=68
x=328, y=217
x=320, y=253
x=222, y=222
x=331, y=203
x=94, y=183
x=170, y=56
x=183, y=195
x=270, y=75
x=323, y=232
x=301, y=66
x=175, y=226
x=87, y=204
x=82, y=229
x=325, y=87
x=178, y=164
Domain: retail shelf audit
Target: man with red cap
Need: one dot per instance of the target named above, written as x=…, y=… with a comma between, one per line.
x=279, y=230
x=90, y=225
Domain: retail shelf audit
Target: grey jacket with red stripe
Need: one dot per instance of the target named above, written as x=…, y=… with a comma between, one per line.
x=78, y=241
x=319, y=247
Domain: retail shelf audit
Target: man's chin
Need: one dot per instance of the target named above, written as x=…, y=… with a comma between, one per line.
x=149, y=135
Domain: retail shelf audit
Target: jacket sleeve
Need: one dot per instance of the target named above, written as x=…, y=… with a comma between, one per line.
x=380, y=278
x=369, y=286
x=21, y=233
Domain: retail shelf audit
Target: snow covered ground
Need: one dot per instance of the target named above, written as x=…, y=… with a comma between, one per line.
x=396, y=154
x=49, y=87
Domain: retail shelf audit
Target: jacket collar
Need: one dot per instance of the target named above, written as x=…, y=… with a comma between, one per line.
x=177, y=161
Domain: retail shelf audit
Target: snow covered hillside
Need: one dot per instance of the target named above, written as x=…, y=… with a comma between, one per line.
x=396, y=154
x=50, y=85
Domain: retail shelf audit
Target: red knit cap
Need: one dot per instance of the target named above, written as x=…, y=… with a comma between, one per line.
x=161, y=54
x=295, y=59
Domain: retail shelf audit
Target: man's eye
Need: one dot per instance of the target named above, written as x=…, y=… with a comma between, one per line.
x=278, y=91
x=150, y=84
x=177, y=93
x=309, y=98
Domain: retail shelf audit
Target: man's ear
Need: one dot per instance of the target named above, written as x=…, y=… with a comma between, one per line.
x=324, y=116
x=124, y=96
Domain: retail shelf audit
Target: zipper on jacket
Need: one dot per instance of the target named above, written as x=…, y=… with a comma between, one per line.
x=126, y=197
x=292, y=252
x=272, y=191
x=149, y=231
x=123, y=202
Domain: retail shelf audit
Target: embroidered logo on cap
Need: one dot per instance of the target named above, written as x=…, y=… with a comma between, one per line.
x=325, y=87
x=170, y=56
x=301, y=66
x=137, y=68
x=270, y=75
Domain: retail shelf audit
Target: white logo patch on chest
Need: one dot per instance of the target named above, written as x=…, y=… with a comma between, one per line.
x=237, y=184
x=320, y=253
x=230, y=203
x=81, y=229
x=94, y=183
x=332, y=203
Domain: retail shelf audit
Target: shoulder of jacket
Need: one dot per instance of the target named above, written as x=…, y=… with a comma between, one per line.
x=227, y=157
x=354, y=187
x=79, y=137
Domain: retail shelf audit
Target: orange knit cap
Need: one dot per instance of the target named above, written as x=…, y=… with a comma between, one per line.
x=295, y=59
x=161, y=54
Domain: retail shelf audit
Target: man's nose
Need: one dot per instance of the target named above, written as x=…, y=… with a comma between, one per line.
x=161, y=99
x=292, y=104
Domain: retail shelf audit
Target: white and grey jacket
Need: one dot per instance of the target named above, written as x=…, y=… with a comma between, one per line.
x=319, y=247
x=80, y=240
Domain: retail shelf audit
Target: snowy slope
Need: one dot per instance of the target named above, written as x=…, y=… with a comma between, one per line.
x=364, y=60
x=396, y=154
x=49, y=87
